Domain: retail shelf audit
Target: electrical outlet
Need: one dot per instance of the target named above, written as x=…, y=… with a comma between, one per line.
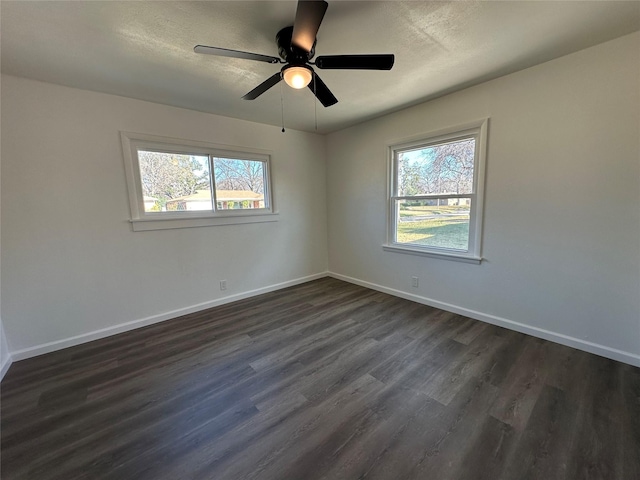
x=415, y=282
x=223, y=284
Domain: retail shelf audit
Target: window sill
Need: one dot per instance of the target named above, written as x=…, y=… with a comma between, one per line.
x=456, y=257
x=145, y=224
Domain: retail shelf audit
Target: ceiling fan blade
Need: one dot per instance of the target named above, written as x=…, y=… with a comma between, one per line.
x=322, y=92
x=355, y=62
x=264, y=86
x=225, y=52
x=309, y=16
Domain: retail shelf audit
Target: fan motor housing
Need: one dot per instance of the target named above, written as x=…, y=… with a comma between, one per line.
x=289, y=52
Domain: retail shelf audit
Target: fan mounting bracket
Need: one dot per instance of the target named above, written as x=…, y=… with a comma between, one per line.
x=289, y=52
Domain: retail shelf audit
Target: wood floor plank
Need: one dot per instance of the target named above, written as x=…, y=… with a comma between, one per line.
x=525, y=382
x=471, y=363
x=545, y=445
x=303, y=432
x=350, y=457
x=489, y=451
x=599, y=434
x=470, y=332
x=630, y=391
x=197, y=452
x=459, y=424
x=434, y=452
x=323, y=380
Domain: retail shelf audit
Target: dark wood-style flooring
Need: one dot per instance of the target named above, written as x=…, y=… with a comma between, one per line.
x=325, y=380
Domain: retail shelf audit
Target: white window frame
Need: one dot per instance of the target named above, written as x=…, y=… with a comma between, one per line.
x=142, y=220
x=476, y=130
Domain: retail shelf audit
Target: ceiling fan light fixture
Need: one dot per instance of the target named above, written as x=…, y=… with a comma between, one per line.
x=296, y=47
x=297, y=76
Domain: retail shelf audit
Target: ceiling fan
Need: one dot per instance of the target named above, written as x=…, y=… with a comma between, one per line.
x=296, y=47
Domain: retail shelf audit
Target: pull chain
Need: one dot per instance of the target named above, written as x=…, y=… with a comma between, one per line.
x=282, y=106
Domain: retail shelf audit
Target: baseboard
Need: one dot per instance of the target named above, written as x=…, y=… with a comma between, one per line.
x=560, y=338
x=5, y=366
x=143, y=322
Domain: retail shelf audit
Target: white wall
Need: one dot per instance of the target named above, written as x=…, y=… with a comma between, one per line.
x=562, y=212
x=72, y=265
x=5, y=356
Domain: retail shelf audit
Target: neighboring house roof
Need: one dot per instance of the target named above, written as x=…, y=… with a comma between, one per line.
x=221, y=196
x=238, y=195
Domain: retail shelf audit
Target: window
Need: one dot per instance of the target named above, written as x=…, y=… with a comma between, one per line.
x=176, y=184
x=435, y=205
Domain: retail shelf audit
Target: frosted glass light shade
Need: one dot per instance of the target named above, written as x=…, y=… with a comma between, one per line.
x=297, y=77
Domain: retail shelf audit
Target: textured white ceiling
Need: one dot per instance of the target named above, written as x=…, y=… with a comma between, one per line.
x=144, y=50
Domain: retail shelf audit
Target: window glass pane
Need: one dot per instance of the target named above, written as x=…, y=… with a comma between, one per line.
x=446, y=168
x=174, y=182
x=440, y=223
x=239, y=183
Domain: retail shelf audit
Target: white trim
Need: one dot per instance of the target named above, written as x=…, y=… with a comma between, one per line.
x=143, y=322
x=145, y=224
x=5, y=366
x=131, y=141
x=415, y=250
x=595, y=348
x=478, y=130
x=590, y=347
x=434, y=196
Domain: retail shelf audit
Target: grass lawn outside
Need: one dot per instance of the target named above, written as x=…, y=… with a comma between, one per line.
x=443, y=226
